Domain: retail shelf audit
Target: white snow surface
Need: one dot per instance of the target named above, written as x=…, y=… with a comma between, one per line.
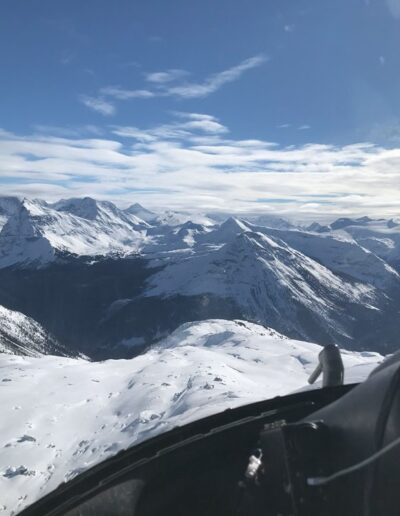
x=61, y=416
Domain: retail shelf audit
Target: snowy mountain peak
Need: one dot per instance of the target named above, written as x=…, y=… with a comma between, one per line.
x=177, y=218
x=192, y=225
x=104, y=212
x=38, y=231
x=22, y=240
x=343, y=222
x=143, y=213
x=258, y=219
x=85, y=208
x=9, y=205
x=316, y=279
x=228, y=230
x=234, y=224
x=393, y=223
x=316, y=227
x=135, y=207
x=270, y=281
x=21, y=223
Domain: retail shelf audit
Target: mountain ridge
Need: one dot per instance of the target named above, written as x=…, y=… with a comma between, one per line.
x=97, y=277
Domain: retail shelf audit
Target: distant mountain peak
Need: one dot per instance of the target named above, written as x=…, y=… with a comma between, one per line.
x=143, y=213
x=9, y=205
x=37, y=232
x=85, y=207
x=137, y=206
x=191, y=225
x=316, y=227
x=234, y=224
x=21, y=223
x=344, y=222
x=393, y=223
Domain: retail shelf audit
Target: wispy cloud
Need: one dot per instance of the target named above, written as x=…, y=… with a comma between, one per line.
x=192, y=163
x=122, y=94
x=167, y=76
x=67, y=58
x=394, y=7
x=69, y=132
x=169, y=84
x=202, y=122
x=190, y=126
x=216, y=81
x=98, y=104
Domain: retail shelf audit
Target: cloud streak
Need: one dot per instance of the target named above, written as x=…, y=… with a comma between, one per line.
x=170, y=83
x=121, y=94
x=215, y=82
x=167, y=76
x=98, y=104
x=191, y=163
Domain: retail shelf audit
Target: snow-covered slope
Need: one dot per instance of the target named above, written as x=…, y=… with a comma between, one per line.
x=342, y=254
x=383, y=240
x=21, y=335
x=271, y=282
x=338, y=251
x=37, y=231
x=380, y=236
x=60, y=416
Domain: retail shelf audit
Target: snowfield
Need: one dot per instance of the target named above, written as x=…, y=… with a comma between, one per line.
x=61, y=416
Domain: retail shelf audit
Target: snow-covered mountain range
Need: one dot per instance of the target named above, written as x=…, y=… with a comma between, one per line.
x=84, y=277
x=202, y=368
x=100, y=278
x=37, y=232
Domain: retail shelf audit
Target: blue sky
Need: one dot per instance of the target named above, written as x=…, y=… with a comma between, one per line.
x=138, y=83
